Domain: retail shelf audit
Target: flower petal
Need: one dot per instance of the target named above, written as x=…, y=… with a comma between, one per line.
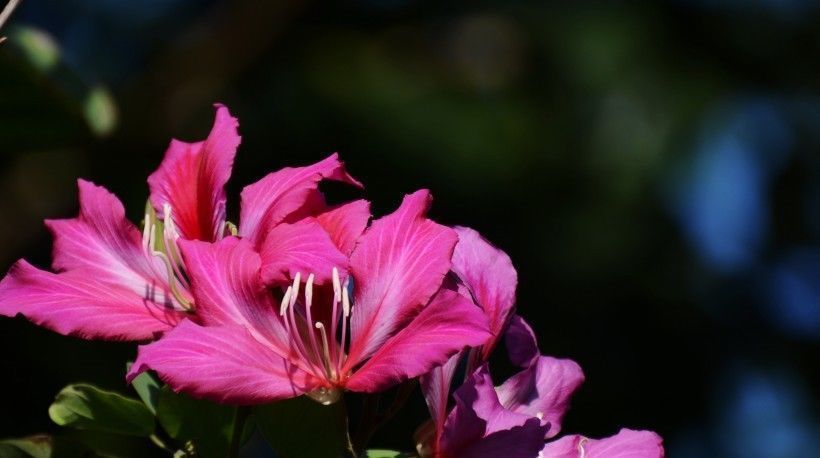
x=303, y=247
x=105, y=244
x=192, y=178
x=397, y=266
x=346, y=223
x=445, y=326
x=223, y=364
x=436, y=388
x=478, y=414
x=543, y=390
x=80, y=304
x=522, y=346
x=270, y=200
x=626, y=444
x=228, y=289
x=491, y=278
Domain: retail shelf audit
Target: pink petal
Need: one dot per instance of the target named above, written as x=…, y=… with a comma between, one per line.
x=444, y=327
x=192, y=178
x=273, y=198
x=397, y=266
x=478, y=415
x=435, y=385
x=228, y=289
x=626, y=444
x=303, y=247
x=491, y=278
x=78, y=303
x=522, y=346
x=543, y=390
x=346, y=223
x=223, y=364
x=104, y=243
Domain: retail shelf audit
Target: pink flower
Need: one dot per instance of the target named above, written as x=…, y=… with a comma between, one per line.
x=399, y=323
x=111, y=282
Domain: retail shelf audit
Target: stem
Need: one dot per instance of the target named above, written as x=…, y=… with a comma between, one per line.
x=238, y=427
x=344, y=426
x=367, y=425
x=6, y=13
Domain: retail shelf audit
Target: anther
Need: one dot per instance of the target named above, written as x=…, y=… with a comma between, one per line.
x=309, y=291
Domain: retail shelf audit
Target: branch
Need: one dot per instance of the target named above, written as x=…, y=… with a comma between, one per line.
x=6, y=13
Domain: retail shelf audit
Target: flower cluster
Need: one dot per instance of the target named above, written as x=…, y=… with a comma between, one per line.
x=306, y=298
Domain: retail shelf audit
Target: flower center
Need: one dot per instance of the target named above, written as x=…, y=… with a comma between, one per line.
x=164, y=232
x=322, y=349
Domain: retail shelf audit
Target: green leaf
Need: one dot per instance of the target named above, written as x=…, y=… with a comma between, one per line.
x=147, y=389
x=302, y=427
x=84, y=406
x=35, y=446
x=376, y=453
x=206, y=425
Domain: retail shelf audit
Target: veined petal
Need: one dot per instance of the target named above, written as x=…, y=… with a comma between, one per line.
x=346, y=223
x=435, y=385
x=228, y=289
x=522, y=346
x=225, y=364
x=79, y=303
x=478, y=415
x=491, y=278
x=445, y=326
x=302, y=247
x=105, y=244
x=397, y=266
x=270, y=200
x=543, y=390
x=192, y=178
x=626, y=444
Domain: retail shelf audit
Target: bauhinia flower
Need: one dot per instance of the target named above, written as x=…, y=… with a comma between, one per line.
x=112, y=282
x=390, y=319
x=484, y=423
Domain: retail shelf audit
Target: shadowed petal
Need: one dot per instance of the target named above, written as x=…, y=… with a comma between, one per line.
x=303, y=247
x=397, y=266
x=436, y=388
x=543, y=390
x=490, y=276
x=270, y=200
x=445, y=326
x=626, y=444
x=522, y=346
x=192, y=178
x=346, y=223
x=223, y=364
x=77, y=303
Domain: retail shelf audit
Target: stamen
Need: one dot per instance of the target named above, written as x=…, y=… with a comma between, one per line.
x=296, y=283
x=325, y=349
x=337, y=287
x=581, y=450
x=285, y=301
x=309, y=291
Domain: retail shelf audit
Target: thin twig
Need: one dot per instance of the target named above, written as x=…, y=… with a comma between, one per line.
x=6, y=13
x=240, y=416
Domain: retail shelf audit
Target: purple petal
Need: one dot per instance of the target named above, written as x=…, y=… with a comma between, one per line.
x=346, y=223
x=302, y=247
x=522, y=346
x=626, y=444
x=491, y=278
x=543, y=390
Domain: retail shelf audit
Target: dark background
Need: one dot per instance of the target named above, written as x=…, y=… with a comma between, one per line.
x=652, y=170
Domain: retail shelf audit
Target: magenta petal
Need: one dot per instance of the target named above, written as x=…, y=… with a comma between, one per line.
x=445, y=326
x=397, y=266
x=491, y=278
x=543, y=390
x=192, y=178
x=273, y=198
x=626, y=444
x=228, y=289
x=223, y=364
x=105, y=244
x=346, y=223
x=522, y=346
x=77, y=303
x=478, y=415
x=302, y=247
x=436, y=388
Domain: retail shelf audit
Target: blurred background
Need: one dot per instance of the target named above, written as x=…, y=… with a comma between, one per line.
x=652, y=170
